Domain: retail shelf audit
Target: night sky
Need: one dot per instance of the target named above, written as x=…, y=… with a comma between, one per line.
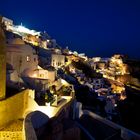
x=95, y=27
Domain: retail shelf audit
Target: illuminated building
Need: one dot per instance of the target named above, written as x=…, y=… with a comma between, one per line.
x=23, y=30
x=39, y=73
x=96, y=59
x=21, y=56
x=7, y=22
x=32, y=39
x=57, y=60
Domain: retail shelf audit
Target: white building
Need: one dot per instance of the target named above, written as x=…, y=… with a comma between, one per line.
x=7, y=22
x=57, y=60
x=43, y=44
x=40, y=73
x=21, y=56
x=96, y=59
x=12, y=77
x=93, y=64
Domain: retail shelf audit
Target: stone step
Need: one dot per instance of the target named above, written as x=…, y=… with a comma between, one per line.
x=7, y=135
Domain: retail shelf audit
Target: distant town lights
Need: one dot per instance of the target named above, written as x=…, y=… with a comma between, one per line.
x=48, y=40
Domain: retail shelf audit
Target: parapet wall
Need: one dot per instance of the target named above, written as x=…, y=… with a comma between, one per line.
x=126, y=134
x=14, y=107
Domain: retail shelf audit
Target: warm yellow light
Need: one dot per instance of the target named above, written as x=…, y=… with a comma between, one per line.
x=48, y=110
x=34, y=75
x=64, y=82
x=48, y=40
x=122, y=97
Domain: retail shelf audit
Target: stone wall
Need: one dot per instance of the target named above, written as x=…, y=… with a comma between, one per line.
x=2, y=62
x=14, y=107
x=126, y=134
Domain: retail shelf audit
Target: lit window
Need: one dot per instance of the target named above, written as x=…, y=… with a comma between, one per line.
x=40, y=75
x=53, y=62
x=28, y=58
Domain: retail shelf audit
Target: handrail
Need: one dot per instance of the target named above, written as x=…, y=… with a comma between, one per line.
x=85, y=130
x=29, y=130
x=125, y=133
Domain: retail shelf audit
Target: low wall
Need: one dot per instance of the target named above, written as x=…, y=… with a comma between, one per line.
x=34, y=120
x=15, y=107
x=12, y=108
x=125, y=133
x=29, y=129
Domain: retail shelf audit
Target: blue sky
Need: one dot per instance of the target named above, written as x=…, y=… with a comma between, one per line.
x=96, y=27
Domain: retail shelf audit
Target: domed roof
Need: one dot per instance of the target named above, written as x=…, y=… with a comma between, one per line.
x=17, y=41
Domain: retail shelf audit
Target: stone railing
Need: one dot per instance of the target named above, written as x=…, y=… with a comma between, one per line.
x=29, y=129
x=38, y=119
x=126, y=134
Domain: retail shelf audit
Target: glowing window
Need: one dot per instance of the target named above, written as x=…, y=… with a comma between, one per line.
x=28, y=58
x=41, y=75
